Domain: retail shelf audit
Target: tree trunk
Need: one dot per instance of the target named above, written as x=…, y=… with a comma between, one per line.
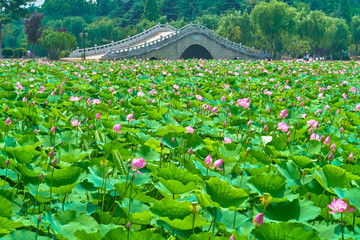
x=356, y=49
x=1, y=56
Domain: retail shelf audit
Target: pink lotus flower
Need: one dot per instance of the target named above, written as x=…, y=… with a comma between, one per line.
x=98, y=116
x=245, y=102
x=258, y=220
x=199, y=97
x=315, y=137
x=117, y=128
x=283, y=114
x=223, y=98
x=351, y=156
x=138, y=164
x=75, y=123
x=313, y=123
x=283, y=127
x=8, y=122
x=189, y=129
x=333, y=147
x=327, y=141
x=227, y=140
x=217, y=164
x=74, y=98
x=208, y=161
x=340, y=206
x=130, y=117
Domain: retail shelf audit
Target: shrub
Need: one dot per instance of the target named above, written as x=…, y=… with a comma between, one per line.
x=8, y=52
x=20, y=52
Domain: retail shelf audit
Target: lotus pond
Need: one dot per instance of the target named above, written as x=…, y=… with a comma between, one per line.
x=179, y=150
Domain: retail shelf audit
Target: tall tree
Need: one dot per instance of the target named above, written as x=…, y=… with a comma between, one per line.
x=272, y=20
x=168, y=9
x=10, y=10
x=345, y=10
x=151, y=10
x=355, y=32
x=33, y=28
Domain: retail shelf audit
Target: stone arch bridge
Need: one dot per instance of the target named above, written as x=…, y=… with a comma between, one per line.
x=166, y=42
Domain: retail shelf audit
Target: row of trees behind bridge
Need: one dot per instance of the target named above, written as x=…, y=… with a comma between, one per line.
x=328, y=28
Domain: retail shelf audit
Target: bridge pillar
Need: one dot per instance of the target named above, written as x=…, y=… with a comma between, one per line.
x=95, y=46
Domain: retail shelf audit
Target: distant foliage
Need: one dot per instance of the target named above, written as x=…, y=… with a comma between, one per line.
x=57, y=42
x=8, y=52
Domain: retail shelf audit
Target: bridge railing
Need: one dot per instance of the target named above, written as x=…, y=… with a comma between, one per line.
x=122, y=43
x=179, y=33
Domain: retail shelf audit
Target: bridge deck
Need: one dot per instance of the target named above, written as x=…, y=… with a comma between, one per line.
x=153, y=37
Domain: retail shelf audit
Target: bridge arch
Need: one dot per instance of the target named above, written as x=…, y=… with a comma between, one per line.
x=196, y=51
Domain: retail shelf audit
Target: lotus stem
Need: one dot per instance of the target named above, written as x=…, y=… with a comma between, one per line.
x=51, y=183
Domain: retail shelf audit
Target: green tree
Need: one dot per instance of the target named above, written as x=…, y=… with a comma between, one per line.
x=345, y=10
x=151, y=10
x=355, y=32
x=273, y=19
x=10, y=10
x=33, y=28
x=313, y=28
x=168, y=9
x=57, y=42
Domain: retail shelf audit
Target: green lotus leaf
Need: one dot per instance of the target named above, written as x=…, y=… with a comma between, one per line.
x=147, y=153
x=302, y=162
x=222, y=194
x=168, y=207
x=66, y=223
x=186, y=223
x=175, y=186
x=175, y=173
x=230, y=151
x=297, y=210
x=121, y=234
x=124, y=190
x=290, y=171
x=25, y=154
x=65, y=176
x=6, y=208
x=273, y=184
x=24, y=235
x=285, y=231
x=82, y=234
x=331, y=177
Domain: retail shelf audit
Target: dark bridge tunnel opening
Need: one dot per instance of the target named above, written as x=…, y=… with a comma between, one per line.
x=196, y=51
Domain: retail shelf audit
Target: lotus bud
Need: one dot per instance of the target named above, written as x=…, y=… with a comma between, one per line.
x=249, y=123
x=191, y=151
x=172, y=140
x=55, y=162
x=41, y=176
x=128, y=225
x=341, y=129
x=338, y=111
x=91, y=126
x=322, y=138
x=333, y=147
x=133, y=176
x=52, y=130
x=8, y=122
x=7, y=162
x=311, y=131
x=266, y=128
x=35, y=131
x=208, y=161
x=327, y=141
x=7, y=108
x=232, y=237
x=39, y=218
x=331, y=156
x=259, y=220
x=52, y=154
